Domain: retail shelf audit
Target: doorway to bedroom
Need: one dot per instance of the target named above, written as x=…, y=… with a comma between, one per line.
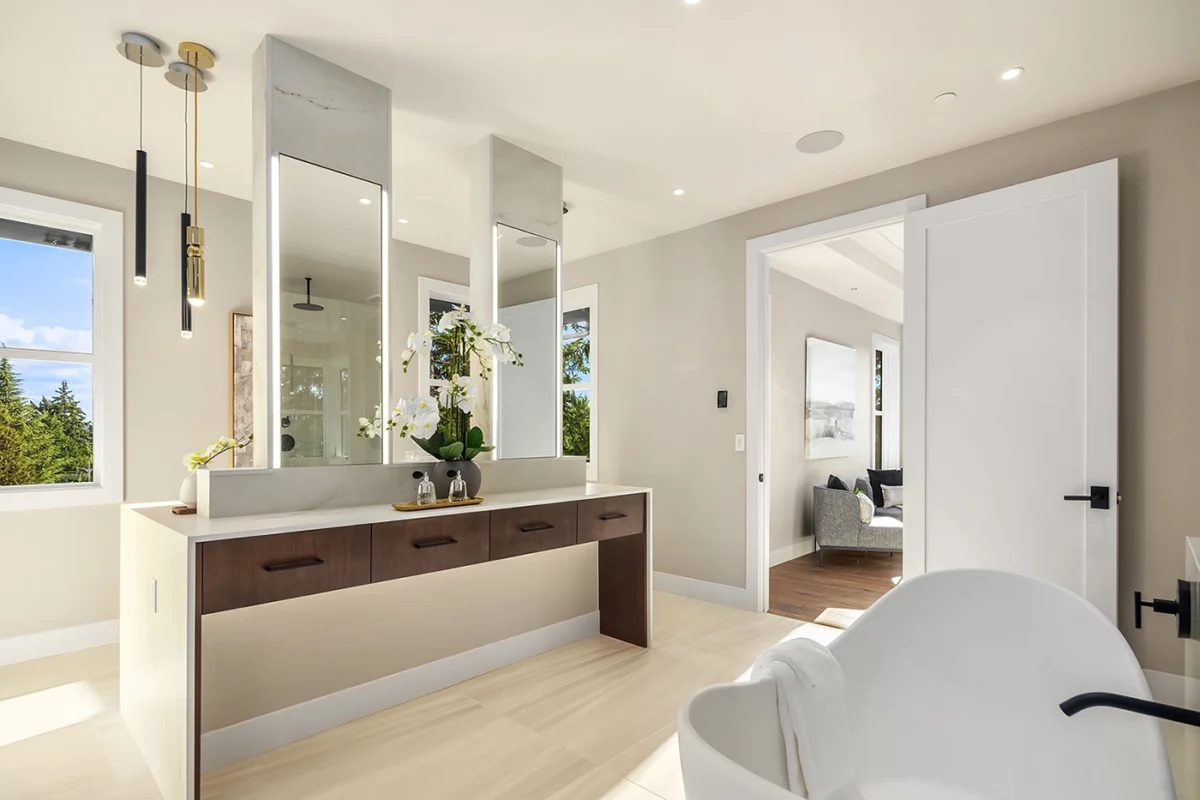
x=835, y=492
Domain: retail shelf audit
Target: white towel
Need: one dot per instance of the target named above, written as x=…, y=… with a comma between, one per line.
x=812, y=712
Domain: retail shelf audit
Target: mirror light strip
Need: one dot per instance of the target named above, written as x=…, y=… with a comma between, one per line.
x=275, y=436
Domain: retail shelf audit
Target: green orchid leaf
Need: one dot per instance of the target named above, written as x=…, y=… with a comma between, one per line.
x=451, y=452
x=470, y=453
x=427, y=446
x=487, y=448
x=475, y=437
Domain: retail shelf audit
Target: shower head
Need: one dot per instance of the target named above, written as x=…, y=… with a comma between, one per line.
x=308, y=304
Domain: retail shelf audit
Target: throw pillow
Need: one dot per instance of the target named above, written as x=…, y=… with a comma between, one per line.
x=835, y=482
x=866, y=509
x=893, y=496
x=883, y=477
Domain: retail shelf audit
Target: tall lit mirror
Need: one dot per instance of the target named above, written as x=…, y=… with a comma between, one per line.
x=527, y=301
x=330, y=315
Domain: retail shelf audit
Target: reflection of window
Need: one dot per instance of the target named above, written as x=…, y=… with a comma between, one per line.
x=435, y=298
x=885, y=404
x=580, y=400
x=60, y=353
x=303, y=403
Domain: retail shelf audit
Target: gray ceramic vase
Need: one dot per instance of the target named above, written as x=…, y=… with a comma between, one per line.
x=441, y=477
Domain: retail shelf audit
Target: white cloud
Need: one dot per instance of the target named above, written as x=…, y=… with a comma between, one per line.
x=14, y=333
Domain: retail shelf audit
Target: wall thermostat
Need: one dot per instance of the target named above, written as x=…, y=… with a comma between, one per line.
x=722, y=398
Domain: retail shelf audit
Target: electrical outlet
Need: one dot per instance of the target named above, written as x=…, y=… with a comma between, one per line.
x=739, y=442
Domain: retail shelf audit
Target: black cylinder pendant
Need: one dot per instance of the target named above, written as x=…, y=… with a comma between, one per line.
x=139, y=231
x=185, y=330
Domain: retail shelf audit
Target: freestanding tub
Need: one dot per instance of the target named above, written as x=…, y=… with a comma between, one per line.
x=953, y=685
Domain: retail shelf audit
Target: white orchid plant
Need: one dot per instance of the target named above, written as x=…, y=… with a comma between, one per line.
x=442, y=426
x=193, y=461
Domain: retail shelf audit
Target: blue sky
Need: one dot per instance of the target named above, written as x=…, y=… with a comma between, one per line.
x=46, y=304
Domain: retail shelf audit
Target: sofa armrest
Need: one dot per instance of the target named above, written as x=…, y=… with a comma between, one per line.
x=836, y=517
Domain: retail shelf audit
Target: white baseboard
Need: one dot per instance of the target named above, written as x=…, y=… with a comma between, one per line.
x=792, y=551
x=56, y=642
x=704, y=590
x=1175, y=690
x=243, y=740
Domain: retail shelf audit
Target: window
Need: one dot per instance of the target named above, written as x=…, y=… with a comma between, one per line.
x=885, y=404
x=60, y=353
x=580, y=376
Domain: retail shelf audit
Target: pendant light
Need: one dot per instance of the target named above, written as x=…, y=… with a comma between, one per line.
x=189, y=76
x=145, y=52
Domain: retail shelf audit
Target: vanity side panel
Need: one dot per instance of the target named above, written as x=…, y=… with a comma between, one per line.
x=156, y=624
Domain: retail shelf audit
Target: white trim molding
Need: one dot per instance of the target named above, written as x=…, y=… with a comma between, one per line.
x=758, y=371
x=243, y=740
x=704, y=590
x=108, y=346
x=33, y=646
x=782, y=555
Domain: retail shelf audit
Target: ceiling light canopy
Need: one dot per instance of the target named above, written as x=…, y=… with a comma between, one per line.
x=1012, y=73
x=207, y=164
x=945, y=98
x=691, y=2
x=402, y=221
x=820, y=142
x=366, y=201
x=531, y=241
x=678, y=192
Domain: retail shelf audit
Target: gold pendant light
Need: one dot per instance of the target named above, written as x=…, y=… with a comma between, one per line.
x=189, y=76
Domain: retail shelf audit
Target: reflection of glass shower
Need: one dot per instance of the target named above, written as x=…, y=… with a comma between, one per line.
x=315, y=400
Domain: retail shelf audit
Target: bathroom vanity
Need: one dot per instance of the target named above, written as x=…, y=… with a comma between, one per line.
x=181, y=574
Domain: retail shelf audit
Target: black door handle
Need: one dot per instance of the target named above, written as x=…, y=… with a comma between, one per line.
x=436, y=543
x=312, y=562
x=1099, y=498
x=538, y=526
x=612, y=516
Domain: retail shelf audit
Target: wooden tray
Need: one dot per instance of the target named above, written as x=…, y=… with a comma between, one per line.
x=438, y=506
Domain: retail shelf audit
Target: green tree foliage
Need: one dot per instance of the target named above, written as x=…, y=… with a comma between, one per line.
x=46, y=442
x=577, y=412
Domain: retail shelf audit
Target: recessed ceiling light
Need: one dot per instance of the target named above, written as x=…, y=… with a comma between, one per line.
x=1012, y=73
x=366, y=201
x=207, y=164
x=852, y=288
x=820, y=142
x=402, y=221
x=945, y=98
x=343, y=319
x=691, y=2
x=678, y=192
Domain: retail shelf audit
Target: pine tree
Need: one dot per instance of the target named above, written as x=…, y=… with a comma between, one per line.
x=72, y=433
x=29, y=445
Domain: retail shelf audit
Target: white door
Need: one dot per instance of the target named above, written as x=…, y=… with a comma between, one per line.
x=1010, y=381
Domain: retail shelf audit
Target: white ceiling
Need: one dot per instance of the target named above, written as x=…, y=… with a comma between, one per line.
x=864, y=268
x=632, y=97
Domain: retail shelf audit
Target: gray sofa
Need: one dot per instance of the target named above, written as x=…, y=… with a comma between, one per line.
x=838, y=524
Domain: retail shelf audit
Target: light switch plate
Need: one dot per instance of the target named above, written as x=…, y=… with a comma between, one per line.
x=739, y=442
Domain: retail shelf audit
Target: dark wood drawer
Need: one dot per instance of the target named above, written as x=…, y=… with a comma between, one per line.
x=519, y=531
x=610, y=517
x=262, y=569
x=401, y=549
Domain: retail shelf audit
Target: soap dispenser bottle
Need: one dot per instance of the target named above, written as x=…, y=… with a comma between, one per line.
x=426, y=494
x=458, y=487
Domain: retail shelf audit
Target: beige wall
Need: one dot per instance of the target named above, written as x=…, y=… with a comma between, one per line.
x=673, y=311
x=800, y=310
x=60, y=566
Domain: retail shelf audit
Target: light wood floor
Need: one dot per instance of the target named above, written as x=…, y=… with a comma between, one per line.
x=838, y=592
x=590, y=721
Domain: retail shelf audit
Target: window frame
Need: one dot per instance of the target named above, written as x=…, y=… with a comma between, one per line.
x=891, y=400
x=107, y=357
x=573, y=300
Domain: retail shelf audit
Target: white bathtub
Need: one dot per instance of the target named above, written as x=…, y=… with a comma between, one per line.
x=953, y=685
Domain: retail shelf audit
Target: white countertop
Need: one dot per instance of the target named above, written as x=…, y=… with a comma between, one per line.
x=200, y=529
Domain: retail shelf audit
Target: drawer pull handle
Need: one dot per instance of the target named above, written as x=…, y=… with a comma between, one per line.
x=435, y=543
x=312, y=562
x=540, y=526
x=612, y=516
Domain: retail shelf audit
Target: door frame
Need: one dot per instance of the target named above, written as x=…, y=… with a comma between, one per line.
x=891, y=391
x=758, y=372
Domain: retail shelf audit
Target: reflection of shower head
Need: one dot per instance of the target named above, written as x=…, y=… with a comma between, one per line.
x=308, y=305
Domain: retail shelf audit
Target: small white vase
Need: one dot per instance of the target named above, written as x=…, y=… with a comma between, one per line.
x=187, y=489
